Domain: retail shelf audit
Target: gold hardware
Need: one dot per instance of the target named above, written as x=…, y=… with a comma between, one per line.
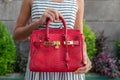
x=54, y=43
x=57, y=44
x=48, y=43
x=69, y=43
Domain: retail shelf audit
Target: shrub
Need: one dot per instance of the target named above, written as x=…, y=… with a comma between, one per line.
x=117, y=46
x=90, y=38
x=22, y=56
x=7, y=51
x=20, y=64
x=100, y=41
x=106, y=65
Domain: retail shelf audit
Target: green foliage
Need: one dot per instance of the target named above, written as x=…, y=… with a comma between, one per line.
x=90, y=38
x=117, y=46
x=106, y=64
x=7, y=51
x=21, y=63
x=101, y=42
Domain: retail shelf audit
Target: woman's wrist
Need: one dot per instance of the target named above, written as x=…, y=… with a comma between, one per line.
x=85, y=48
x=35, y=25
x=38, y=23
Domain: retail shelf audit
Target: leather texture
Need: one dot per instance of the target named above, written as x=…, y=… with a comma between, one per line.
x=56, y=50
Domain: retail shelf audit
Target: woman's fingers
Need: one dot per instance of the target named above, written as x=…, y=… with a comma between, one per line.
x=53, y=13
x=46, y=15
x=56, y=14
x=85, y=68
x=50, y=12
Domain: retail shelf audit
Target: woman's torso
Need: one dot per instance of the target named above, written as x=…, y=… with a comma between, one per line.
x=68, y=9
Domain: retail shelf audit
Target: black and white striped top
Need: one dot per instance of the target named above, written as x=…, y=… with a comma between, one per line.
x=68, y=9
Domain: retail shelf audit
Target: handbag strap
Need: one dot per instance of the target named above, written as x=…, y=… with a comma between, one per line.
x=47, y=27
x=65, y=37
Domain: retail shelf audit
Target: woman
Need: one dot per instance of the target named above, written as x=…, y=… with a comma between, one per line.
x=39, y=11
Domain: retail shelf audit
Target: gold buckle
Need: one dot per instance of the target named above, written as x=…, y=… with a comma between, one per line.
x=57, y=44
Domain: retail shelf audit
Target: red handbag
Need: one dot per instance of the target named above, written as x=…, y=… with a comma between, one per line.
x=56, y=50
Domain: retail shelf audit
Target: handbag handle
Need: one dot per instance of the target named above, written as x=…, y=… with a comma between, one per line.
x=64, y=24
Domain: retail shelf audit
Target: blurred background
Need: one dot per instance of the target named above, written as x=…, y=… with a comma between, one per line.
x=101, y=16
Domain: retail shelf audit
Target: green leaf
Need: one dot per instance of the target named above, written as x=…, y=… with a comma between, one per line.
x=7, y=50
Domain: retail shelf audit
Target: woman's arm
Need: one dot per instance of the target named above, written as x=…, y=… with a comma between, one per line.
x=22, y=30
x=79, y=16
x=79, y=26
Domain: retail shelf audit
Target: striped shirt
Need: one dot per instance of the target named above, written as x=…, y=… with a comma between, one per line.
x=68, y=9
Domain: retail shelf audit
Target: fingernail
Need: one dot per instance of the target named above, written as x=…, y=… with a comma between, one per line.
x=85, y=62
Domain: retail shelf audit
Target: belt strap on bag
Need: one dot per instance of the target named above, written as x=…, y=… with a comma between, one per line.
x=67, y=54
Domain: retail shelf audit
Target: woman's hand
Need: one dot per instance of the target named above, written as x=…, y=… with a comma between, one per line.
x=85, y=68
x=51, y=14
x=87, y=63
